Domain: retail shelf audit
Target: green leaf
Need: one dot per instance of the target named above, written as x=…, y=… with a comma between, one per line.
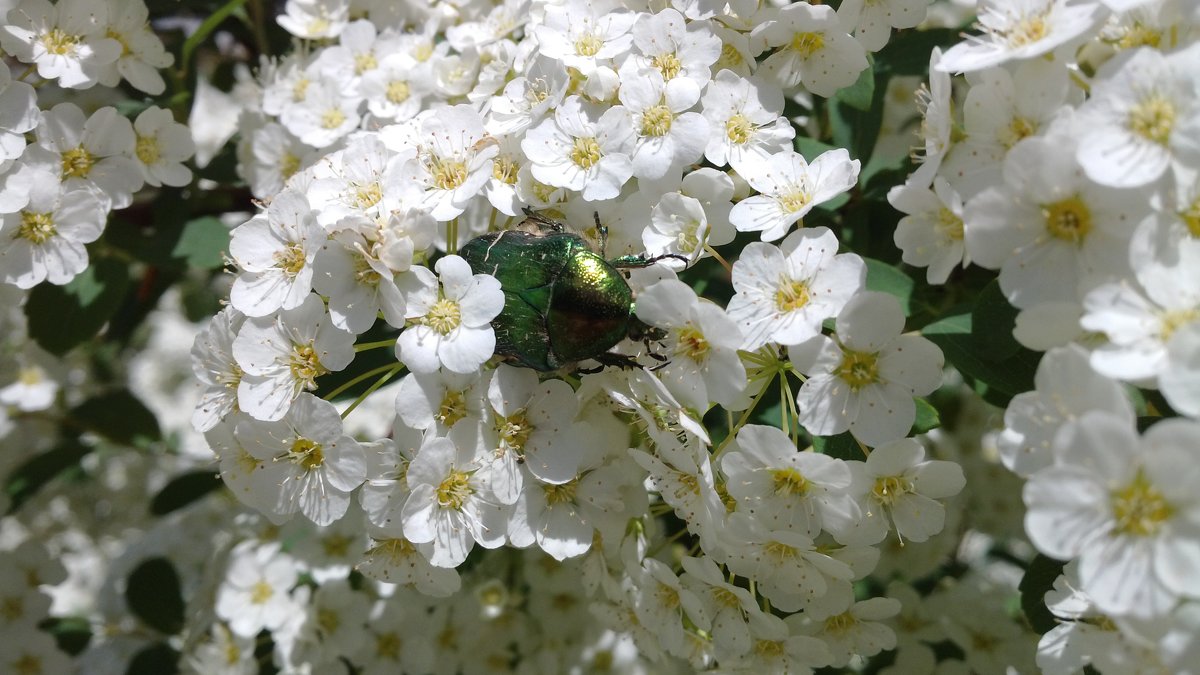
x=29, y=477
x=997, y=380
x=183, y=490
x=72, y=634
x=927, y=417
x=153, y=595
x=857, y=128
x=203, y=243
x=61, y=317
x=118, y=416
x=859, y=94
x=1039, y=578
x=907, y=52
x=841, y=446
x=157, y=659
x=993, y=320
x=811, y=148
x=891, y=280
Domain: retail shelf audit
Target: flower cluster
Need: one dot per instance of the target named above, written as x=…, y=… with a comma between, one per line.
x=1072, y=171
x=57, y=190
x=382, y=148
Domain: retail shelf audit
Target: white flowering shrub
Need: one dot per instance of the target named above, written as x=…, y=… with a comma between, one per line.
x=569, y=336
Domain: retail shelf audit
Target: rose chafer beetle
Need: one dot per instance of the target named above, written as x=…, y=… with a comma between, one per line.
x=563, y=302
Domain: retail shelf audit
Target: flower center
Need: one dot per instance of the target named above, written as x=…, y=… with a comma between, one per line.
x=1153, y=118
x=668, y=64
x=363, y=272
x=769, y=649
x=560, y=494
x=789, y=482
x=307, y=454
x=807, y=44
x=888, y=489
x=328, y=621
x=36, y=227
x=514, y=430
x=725, y=597
x=332, y=118
x=147, y=150
x=1171, y=321
x=289, y=164
x=1027, y=30
x=1018, y=128
x=858, y=369
x=792, y=295
x=452, y=409
x=585, y=153
x=306, y=366
x=364, y=62
x=454, y=490
x=667, y=596
x=59, y=43
x=656, y=121
x=1139, y=509
x=1069, y=220
x=77, y=163
x=444, y=316
x=1190, y=216
x=291, y=259
x=387, y=647
x=261, y=592
x=364, y=196
x=730, y=56
x=840, y=624
x=693, y=344
x=1140, y=35
x=949, y=225
x=447, y=174
x=588, y=45
x=300, y=89
x=779, y=551
x=738, y=129
x=795, y=200
x=504, y=169
x=398, y=91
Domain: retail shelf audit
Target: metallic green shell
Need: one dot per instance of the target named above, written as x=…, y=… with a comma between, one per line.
x=562, y=302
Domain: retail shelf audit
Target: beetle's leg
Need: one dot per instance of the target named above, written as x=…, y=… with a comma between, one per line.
x=543, y=220
x=632, y=261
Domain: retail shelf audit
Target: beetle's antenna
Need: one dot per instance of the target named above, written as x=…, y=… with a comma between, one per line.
x=602, y=231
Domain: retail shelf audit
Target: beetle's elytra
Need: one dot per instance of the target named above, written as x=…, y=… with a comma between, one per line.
x=562, y=301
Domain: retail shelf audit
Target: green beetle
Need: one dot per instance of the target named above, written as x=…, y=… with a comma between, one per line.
x=563, y=302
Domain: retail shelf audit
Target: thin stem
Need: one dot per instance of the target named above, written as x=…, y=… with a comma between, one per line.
x=743, y=419
x=452, y=237
x=365, y=346
x=27, y=72
x=365, y=376
x=724, y=263
x=370, y=390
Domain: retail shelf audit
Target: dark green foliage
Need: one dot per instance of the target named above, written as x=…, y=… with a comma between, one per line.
x=153, y=593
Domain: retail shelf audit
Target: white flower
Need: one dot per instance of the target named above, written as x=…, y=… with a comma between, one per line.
x=161, y=147
x=33, y=389
x=315, y=19
x=440, y=400
x=451, y=505
x=667, y=136
x=282, y=355
x=450, y=326
x=583, y=33
x=1066, y=387
x=784, y=488
x=358, y=284
x=327, y=113
x=1144, y=112
x=663, y=604
x=18, y=114
x=142, y=53
x=745, y=121
x=256, y=591
x=866, y=379
x=777, y=648
x=394, y=90
x=677, y=49
x=1180, y=384
x=1050, y=231
x=532, y=423
x=309, y=464
x=702, y=342
x=1021, y=29
x=814, y=49
x=1126, y=507
x=453, y=161
x=400, y=562
x=215, y=368
x=66, y=41
x=693, y=220
x=783, y=294
x=274, y=252
x=931, y=233
x=789, y=188
x=527, y=98
x=898, y=487
x=44, y=240
x=731, y=608
x=873, y=20
x=582, y=149
x=1141, y=323
x=92, y=153
x=856, y=631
